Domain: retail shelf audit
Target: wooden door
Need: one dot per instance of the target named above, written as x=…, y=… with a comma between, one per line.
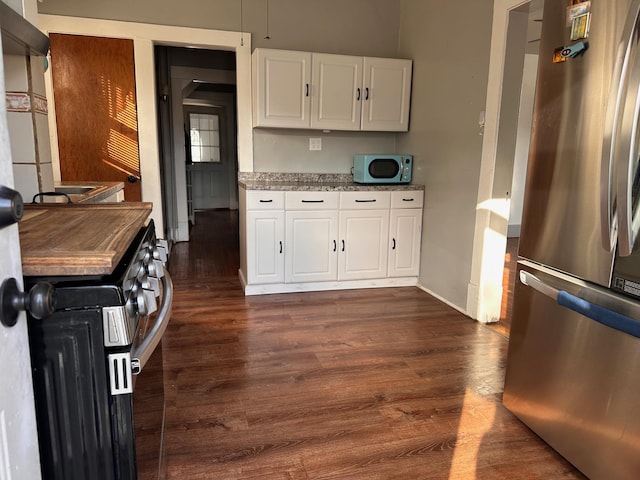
x=95, y=101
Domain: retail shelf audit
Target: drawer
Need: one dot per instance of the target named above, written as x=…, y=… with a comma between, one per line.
x=364, y=200
x=312, y=200
x=265, y=200
x=407, y=199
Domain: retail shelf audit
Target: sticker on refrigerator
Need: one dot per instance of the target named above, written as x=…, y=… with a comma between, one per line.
x=580, y=27
x=577, y=9
x=557, y=55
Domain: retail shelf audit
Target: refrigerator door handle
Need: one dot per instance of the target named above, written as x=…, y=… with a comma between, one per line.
x=608, y=218
x=588, y=309
x=625, y=142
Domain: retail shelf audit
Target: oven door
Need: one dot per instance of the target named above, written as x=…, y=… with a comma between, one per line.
x=148, y=388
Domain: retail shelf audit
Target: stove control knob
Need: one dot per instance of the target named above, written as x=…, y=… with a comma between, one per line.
x=160, y=250
x=151, y=283
x=146, y=301
x=155, y=269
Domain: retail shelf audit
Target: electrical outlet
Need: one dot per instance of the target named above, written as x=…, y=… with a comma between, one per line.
x=315, y=144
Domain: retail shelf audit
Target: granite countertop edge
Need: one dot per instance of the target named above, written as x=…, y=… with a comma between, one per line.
x=313, y=182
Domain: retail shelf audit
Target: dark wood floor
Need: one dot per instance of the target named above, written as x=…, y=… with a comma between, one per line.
x=359, y=384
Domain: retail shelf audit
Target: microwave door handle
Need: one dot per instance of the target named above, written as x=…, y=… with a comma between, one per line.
x=141, y=355
x=608, y=217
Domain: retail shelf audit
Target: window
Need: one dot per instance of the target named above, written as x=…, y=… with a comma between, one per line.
x=205, y=137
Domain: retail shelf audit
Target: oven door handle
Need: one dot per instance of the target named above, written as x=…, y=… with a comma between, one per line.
x=141, y=355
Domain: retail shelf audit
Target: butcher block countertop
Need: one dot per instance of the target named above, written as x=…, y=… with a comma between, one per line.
x=78, y=239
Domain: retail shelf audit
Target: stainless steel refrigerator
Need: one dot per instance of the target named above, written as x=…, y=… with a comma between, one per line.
x=573, y=368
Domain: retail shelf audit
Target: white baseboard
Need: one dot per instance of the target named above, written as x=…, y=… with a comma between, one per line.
x=443, y=300
x=266, y=289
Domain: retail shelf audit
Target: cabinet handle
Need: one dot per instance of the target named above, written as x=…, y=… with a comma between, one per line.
x=306, y=90
x=335, y=246
x=366, y=201
x=280, y=246
x=394, y=244
x=358, y=94
x=312, y=201
x=366, y=93
x=266, y=201
x=407, y=199
x=343, y=245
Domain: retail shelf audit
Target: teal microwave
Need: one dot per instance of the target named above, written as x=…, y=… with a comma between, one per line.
x=386, y=168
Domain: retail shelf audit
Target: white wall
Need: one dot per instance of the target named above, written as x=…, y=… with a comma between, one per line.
x=449, y=43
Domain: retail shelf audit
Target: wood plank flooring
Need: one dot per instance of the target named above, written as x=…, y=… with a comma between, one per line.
x=358, y=384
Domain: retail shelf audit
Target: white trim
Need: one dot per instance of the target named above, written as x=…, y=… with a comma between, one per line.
x=485, y=285
x=264, y=289
x=145, y=37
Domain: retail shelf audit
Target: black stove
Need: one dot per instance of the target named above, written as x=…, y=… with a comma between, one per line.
x=87, y=358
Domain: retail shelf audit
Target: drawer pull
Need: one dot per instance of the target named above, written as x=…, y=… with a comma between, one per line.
x=312, y=201
x=407, y=199
x=266, y=201
x=366, y=201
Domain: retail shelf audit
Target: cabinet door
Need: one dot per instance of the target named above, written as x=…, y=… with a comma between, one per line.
x=363, y=244
x=281, y=87
x=387, y=94
x=336, y=91
x=265, y=247
x=311, y=246
x=404, y=249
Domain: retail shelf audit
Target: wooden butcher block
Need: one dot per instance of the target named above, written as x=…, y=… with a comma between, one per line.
x=78, y=239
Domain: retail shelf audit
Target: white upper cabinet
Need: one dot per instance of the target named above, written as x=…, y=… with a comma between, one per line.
x=333, y=92
x=336, y=91
x=281, y=83
x=386, y=94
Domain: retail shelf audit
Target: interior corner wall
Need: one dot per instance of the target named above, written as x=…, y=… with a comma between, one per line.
x=450, y=47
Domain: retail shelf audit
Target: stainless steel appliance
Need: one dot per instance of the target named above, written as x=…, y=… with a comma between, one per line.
x=99, y=415
x=573, y=368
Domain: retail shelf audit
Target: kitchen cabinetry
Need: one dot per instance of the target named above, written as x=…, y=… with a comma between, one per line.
x=320, y=240
x=311, y=236
x=364, y=234
x=281, y=83
x=265, y=236
x=405, y=233
x=335, y=92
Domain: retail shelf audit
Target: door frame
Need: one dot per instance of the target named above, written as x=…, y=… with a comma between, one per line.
x=145, y=37
x=484, y=292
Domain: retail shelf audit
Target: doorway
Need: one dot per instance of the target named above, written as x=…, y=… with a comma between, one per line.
x=198, y=86
x=516, y=29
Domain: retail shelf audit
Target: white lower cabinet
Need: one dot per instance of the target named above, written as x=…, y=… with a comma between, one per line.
x=311, y=246
x=363, y=244
x=265, y=243
x=263, y=230
x=405, y=234
x=305, y=240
